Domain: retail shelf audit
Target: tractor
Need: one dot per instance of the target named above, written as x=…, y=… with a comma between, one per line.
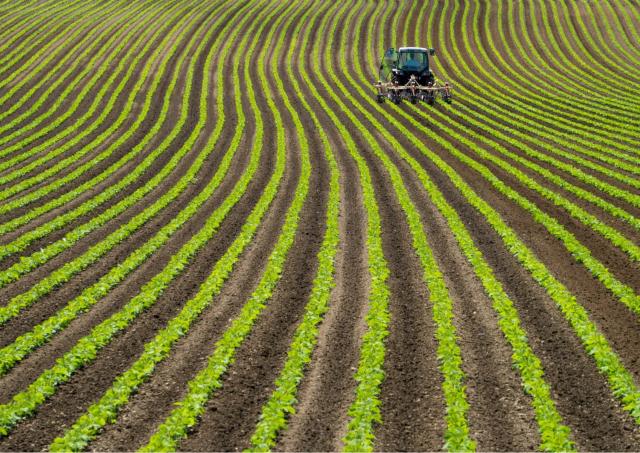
x=405, y=74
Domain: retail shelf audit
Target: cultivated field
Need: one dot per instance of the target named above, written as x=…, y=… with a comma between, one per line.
x=212, y=237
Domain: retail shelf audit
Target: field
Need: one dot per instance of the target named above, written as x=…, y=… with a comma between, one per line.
x=212, y=237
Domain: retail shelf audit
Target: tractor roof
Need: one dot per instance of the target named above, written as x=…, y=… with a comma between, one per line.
x=412, y=49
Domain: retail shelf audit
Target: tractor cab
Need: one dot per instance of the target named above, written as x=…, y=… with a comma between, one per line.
x=405, y=74
x=398, y=66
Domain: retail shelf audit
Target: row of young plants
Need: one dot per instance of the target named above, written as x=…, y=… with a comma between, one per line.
x=281, y=403
x=611, y=126
x=471, y=118
x=15, y=44
x=617, y=79
x=456, y=436
x=66, y=198
x=616, y=75
x=616, y=39
x=579, y=174
x=624, y=23
x=27, y=342
x=575, y=211
x=20, y=20
x=511, y=99
x=583, y=64
x=86, y=349
x=554, y=435
x=364, y=411
x=26, y=264
x=30, y=22
x=103, y=39
x=619, y=104
x=623, y=57
x=522, y=138
x=568, y=81
x=602, y=150
x=40, y=59
x=526, y=58
x=13, y=162
x=80, y=132
x=36, y=40
x=201, y=388
x=607, y=145
x=581, y=253
x=106, y=409
x=103, y=137
x=538, y=114
x=620, y=379
x=608, y=232
x=551, y=135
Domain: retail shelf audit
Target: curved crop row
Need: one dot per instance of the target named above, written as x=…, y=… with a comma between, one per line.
x=457, y=436
x=106, y=409
x=282, y=401
x=620, y=379
x=82, y=133
x=34, y=28
x=513, y=101
x=209, y=379
x=27, y=264
x=609, y=150
x=43, y=56
x=512, y=98
x=24, y=344
x=119, y=38
x=554, y=434
x=86, y=349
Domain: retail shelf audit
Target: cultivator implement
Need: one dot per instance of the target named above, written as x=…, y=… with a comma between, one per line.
x=405, y=75
x=413, y=92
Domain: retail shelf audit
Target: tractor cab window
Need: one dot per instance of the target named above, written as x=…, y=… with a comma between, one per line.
x=412, y=61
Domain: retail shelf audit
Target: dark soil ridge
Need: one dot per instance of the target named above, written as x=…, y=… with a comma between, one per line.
x=614, y=409
x=112, y=361
x=147, y=124
x=190, y=354
x=90, y=275
x=327, y=389
x=491, y=429
x=138, y=237
x=110, y=28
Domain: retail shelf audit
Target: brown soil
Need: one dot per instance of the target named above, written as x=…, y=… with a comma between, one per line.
x=500, y=416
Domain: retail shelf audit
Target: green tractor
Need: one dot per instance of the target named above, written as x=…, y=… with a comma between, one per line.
x=405, y=75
